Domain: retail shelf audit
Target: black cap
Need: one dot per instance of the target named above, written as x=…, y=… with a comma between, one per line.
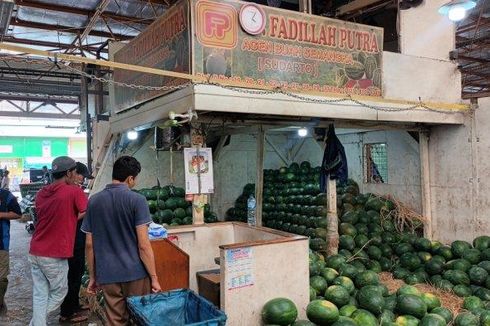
x=83, y=170
x=62, y=164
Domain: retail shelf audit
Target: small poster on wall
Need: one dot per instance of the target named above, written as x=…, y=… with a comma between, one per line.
x=240, y=268
x=198, y=164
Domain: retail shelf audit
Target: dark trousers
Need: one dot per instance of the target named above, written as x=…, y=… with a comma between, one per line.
x=76, y=266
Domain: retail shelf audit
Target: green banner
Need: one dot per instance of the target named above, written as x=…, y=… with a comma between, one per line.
x=247, y=44
x=165, y=44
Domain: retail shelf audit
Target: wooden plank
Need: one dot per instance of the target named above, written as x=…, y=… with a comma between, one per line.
x=160, y=72
x=259, y=183
x=425, y=178
x=332, y=220
x=172, y=265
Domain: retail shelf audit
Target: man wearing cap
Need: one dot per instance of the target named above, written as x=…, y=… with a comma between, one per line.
x=70, y=308
x=59, y=206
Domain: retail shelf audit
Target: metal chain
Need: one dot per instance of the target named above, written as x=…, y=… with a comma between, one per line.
x=275, y=91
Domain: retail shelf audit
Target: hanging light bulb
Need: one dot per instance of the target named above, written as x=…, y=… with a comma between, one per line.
x=132, y=135
x=303, y=132
x=456, y=10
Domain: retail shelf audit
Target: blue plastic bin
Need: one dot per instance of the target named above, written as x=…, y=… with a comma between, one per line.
x=176, y=308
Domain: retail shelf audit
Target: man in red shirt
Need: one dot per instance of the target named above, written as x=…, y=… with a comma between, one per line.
x=59, y=206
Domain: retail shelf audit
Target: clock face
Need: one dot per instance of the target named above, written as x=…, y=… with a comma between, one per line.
x=252, y=19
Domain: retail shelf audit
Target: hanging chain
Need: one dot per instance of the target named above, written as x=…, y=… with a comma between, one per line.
x=275, y=91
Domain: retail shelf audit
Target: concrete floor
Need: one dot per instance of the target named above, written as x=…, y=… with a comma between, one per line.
x=19, y=293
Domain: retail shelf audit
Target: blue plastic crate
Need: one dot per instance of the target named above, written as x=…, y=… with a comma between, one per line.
x=176, y=308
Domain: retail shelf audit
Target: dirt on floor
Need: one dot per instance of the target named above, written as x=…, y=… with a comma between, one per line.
x=19, y=293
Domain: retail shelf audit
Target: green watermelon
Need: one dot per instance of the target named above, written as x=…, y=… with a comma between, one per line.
x=481, y=243
x=477, y=275
x=390, y=302
x=444, y=313
x=485, y=318
x=408, y=289
x=432, y=320
x=345, y=321
x=279, y=311
x=371, y=300
x=346, y=283
x=348, y=270
x=400, y=273
x=472, y=303
x=347, y=310
x=408, y=304
x=338, y=295
x=472, y=255
x=423, y=244
x=313, y=294
x=431, y=301
x=386, y=318
x=180, y=213
x=335, y=261
x=466, y=319
x=303, y=323
x=407, y=320
x=410, y=261
x=456, y=277
x=482, y=293
x=458, y=248
x=329, y=274
x=318, y=283
x=347, y=229
x=445, y=252
x=462, y=290
x=434, y=267
x=458, y=264
x=322, y=312
x=366, y=278
x=364, y=318
x=346, y=242
x=485, y=265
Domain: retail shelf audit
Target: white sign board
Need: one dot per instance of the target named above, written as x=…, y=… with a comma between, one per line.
x=6, y=149
x=198, y=165
x=239, y=263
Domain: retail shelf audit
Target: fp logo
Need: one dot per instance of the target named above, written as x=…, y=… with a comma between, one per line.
x=216, y=24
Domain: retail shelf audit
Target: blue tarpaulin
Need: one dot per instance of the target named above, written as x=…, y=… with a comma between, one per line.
x=176, y=308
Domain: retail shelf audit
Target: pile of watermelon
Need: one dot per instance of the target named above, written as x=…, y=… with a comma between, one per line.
x=292, y=202
x=168, y=206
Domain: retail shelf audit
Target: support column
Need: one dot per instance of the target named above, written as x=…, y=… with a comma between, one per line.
x=259, y=184
x=425, y=183
x=85, y=106
x=332, y=220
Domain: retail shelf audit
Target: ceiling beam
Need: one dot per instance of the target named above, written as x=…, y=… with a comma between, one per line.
x=40, y=115
x=34, y=98
x=93, y=20
x=53, y=45
x=468, y=58
x=81, y=12
x=67, y=29
x=468, y=95
x=37, y=72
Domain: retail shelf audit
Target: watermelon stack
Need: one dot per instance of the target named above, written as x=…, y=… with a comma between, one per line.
x=168, y=206
x=292, y=202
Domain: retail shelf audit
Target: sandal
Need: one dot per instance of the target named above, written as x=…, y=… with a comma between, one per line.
x=73, y=319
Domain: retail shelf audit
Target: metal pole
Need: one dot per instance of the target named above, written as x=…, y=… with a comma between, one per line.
x=84, y=86
x=425, y=182
x=259, y=184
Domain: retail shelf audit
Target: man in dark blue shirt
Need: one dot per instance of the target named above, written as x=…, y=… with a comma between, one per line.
x=118, y=250
x=9, y=210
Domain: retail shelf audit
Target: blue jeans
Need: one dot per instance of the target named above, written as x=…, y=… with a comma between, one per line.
x=50, y=285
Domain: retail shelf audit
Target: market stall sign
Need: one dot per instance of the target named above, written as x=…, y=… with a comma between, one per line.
x=252, y=45
x=165, y=44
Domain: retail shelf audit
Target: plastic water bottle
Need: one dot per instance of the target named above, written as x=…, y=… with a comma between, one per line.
x=251, y=206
